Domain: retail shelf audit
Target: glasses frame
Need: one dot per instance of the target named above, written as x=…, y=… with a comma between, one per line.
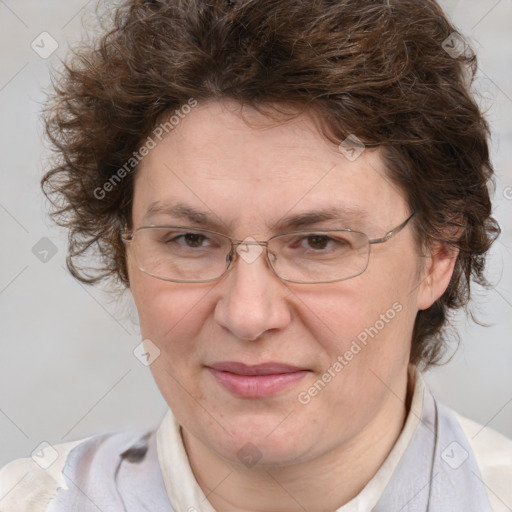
x=231, y=257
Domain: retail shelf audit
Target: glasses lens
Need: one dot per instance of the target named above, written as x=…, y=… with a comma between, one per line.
x=189, y=255
x=179, y=254
x=321, y=256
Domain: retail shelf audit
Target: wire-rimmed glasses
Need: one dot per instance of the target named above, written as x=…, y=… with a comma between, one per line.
x=186, y=254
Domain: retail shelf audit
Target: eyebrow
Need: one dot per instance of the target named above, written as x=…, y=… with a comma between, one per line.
x=346, y=217
x=184, y=212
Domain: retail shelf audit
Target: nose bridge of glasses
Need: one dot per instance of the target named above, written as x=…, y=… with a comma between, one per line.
x=248, y=249
x=248, y=241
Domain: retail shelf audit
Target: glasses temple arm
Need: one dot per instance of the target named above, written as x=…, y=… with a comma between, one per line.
x=392, y=233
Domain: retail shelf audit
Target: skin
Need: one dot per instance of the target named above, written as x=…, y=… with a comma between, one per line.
x=314, y=456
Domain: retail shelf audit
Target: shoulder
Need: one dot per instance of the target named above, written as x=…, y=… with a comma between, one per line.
x=32, y=483
x=493, y=454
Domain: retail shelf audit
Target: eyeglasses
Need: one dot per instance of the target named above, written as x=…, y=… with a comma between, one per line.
x=192, y=255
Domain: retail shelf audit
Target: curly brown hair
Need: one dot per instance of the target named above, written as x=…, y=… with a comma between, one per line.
x=395, y=73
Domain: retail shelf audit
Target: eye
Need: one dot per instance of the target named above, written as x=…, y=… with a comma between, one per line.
x=180, y=240
x=320, y=242
x=190, y=239
x=317, y=242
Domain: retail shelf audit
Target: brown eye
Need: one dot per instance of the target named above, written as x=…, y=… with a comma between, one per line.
x=193, y=239
x=318, y=242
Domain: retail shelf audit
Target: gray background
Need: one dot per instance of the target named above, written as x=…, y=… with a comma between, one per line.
x=66, y=366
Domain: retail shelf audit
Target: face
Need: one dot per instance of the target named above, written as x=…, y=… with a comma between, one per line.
x=245, y=179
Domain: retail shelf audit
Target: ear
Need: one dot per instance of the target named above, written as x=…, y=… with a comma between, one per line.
x=436, y=274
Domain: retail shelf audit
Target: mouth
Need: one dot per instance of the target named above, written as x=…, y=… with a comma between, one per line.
x=258, y=381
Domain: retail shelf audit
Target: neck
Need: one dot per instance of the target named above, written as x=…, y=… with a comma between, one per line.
x=322, y=484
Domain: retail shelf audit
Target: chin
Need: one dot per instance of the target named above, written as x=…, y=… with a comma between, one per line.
x=263, y=440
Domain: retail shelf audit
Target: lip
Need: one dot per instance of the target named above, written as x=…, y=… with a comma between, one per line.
x=258, y=381
x=270, y=368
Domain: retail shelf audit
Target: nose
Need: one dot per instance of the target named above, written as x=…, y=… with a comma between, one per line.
x=253, y=299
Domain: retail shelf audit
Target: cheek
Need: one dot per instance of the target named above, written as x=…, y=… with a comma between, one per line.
x=368, y=321
x=368, y=353
x=171, y=317
x=351, y=311
x=170, y=314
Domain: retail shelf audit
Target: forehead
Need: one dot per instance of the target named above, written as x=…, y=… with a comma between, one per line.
x=245, y=169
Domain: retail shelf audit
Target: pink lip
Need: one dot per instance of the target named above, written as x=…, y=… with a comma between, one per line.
x=257, y=381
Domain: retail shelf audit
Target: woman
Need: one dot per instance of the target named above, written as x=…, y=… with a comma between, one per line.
x=295, y=194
